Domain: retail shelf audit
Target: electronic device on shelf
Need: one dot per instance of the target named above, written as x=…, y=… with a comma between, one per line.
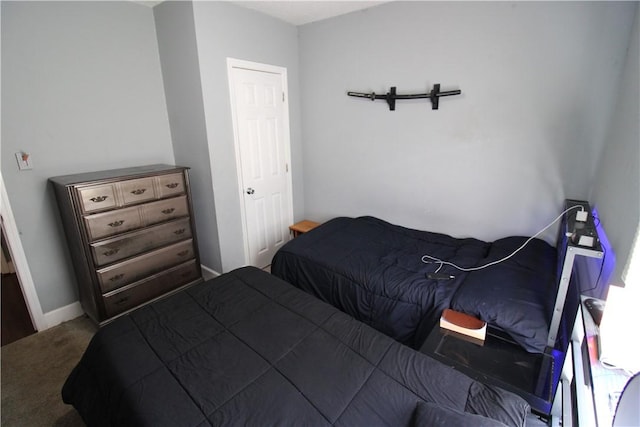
x=595, y=309
x=577, y=237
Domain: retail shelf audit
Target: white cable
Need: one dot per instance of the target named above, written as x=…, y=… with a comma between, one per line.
x=480, y=267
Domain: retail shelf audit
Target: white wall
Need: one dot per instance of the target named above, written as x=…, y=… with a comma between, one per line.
x=224, y=30
x=525, y=134
x=616, y=192
x=81, y=91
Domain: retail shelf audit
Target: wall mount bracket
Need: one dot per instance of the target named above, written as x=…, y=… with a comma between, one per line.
x=392, y=96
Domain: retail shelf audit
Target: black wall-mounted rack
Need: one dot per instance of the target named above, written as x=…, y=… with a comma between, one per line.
x=392, y=96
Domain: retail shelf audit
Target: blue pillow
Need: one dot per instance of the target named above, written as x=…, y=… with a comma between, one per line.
x=516, y=295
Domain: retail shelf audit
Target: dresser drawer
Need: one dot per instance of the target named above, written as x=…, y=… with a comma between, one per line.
x=165, y=210
x=98, y=197
x=137, y=190
x=109, y=251
x=112, y=222
x=134, y=269
x=170, y=185
x=137, y=293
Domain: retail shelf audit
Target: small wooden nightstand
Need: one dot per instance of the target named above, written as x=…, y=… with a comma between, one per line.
x=302, y=227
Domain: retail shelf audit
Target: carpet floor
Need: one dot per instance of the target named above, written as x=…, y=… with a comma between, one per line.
x=33, y=372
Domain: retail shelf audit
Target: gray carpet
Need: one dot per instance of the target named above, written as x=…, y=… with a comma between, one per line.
x=33, y=371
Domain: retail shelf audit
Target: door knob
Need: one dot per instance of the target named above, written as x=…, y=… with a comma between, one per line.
x=250, y=190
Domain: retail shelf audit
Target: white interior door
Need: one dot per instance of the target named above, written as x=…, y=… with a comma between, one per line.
x=262, y=147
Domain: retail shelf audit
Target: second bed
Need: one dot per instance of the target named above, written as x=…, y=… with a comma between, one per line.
x=374, y=271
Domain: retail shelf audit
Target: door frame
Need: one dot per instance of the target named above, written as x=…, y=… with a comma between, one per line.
x=20, y=261
x=286, y=134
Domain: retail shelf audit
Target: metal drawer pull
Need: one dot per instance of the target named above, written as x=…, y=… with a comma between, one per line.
x=172, y=185
x=117, y=223
x=168, y=211
x=98, y=199
x=116, y=277
x=179, y=231
x=183, y=253
x=139, y=191
x=122, y=300
x=111, y=252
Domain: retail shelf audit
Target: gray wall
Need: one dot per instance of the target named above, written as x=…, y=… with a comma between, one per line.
x=538, y=82
x=616, y=193
x=81, y=91
x=224, y=30
x=175, y=28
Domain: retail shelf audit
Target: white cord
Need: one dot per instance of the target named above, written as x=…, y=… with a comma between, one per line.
x=480, y=267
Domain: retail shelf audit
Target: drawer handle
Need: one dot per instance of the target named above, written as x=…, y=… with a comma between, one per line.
x=116, y=277
x=111, y=252
x=179, y=231
x=117, y=223
x=139, y=191
x=183, y=253
x=172, y=185
x=168, y=211
x=121, y=301
x=98, y=199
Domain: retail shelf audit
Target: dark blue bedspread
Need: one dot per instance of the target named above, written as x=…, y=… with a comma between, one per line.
x=248, y=349
x=373, y=270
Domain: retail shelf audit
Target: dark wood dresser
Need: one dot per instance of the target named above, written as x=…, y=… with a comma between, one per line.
x=131, y=235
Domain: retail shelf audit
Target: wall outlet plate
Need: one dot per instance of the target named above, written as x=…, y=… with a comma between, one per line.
x=24, y=160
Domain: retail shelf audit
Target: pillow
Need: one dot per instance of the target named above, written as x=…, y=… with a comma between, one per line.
x=516, y=295
x=498, y=404
x=429, y=414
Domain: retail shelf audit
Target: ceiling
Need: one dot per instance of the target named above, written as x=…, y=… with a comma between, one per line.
x=304, y=12
x=297, y=12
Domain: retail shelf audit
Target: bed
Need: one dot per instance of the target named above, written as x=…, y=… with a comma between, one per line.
x=373, y=270
x=246, y=348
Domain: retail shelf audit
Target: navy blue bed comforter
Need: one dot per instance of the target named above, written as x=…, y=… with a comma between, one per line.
x=248, y=349
x=373, y=271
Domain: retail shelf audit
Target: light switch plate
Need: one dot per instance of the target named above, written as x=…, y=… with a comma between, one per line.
x=24, y=161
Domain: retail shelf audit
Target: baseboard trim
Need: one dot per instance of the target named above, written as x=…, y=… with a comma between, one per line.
x=208, y=273
x=63, y=314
